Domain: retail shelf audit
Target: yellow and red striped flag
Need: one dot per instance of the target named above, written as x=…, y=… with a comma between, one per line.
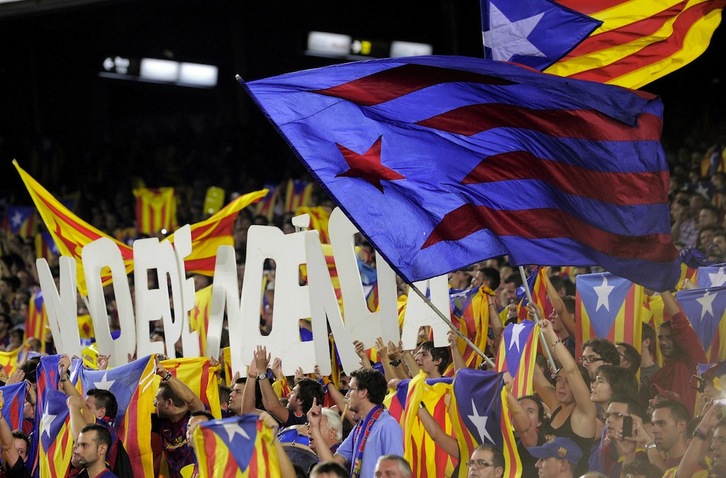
x=470, y=314
x=9, y=361
x=298, y=193
x=200, y=377
x=266, y=207
x=639, y=42
x=516, y=354
x=236, y=447
x=155, y=210
x=427, y=459
x=609, y=307
x=199, y=316
x=319, y=218
x=37, y=320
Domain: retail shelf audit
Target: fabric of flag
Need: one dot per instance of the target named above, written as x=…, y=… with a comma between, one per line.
x=71, y=233
x=711, y=276
x=705, y=309
x=609, y=307
x=635, y=42
x=45, y=247
x=199, y=316
x=538, y=289
x=298, y=193
x=714, y=161
x=236, y=447
x=20, y=221
x=266, y=207
x=442, y=161
x=155, y=210
x=85, y=327
x=227, y=366
x=51, y=436
x=200, y=377
x=516, y=354
x=395, y=401
x=420, y=451
x=37, y=320
x=654, y=315
x=470, y=315
x=13, y=404
x=319, y=218
x=132, y=385
x=209, y=234
x=480, y=415
x=690, y=273
x=9, y=361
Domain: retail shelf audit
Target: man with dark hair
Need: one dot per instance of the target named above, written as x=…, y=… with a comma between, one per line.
x=376, y=433
x=90, y=451
x=682, y=352
x=175, y=403
x=670, y=419
x=486, y=461
x=618, y=449
x=648, y=364
x=629, y=357
x=329, y=469
x=15, y=447
x=299, y=401
x=432, y=360
x=597, y=351
x=197, y=417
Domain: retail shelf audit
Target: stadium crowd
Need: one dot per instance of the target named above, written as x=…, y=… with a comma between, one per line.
x=651, y=409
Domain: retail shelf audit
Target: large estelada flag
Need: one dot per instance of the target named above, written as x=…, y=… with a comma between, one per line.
x=609, y=307
x=71, y=233
x=236, y=447
x=480, y=415
x=132, y=385
x=200, y=376
x=705, y=309
x=443, y=161
x=623, y=42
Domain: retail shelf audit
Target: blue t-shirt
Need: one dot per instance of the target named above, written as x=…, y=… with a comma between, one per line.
x=386, y=437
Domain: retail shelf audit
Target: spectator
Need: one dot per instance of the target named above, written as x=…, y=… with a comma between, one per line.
x=392, y=466
x=197, y=417
x=15, y=447
x=670, y=419
x=377, y=432
x=596, y=352
x=648, y=365
x=90, y=450
x=557, y=458
x=486, y=462
x=329, y=469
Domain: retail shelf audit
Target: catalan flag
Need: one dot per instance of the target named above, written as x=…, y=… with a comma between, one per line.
x=622, y=42
x=236, y=447
x=516, y=354
x=227, y=366
x=200, y=377
x=45, y=247
x=319, y=218
x=13, y=402
x=9, y=361
x=609, y=307
x=395, y=401
x=199, y=316
x=538, y=289
x=480, y=415
x=470, y=315
x=20, y=221
x=705, y=309
x=421, y=452
x=266, y=207
x=298, y=193
x=132, y=385
x=413, y=151
x=711, y=276
x=155, y=210
x=51, y=436
x=37, y=320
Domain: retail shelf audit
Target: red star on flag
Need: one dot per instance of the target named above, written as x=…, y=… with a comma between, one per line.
x=367, y=166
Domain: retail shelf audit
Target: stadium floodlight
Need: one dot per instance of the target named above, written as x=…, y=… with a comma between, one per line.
x=196, y=74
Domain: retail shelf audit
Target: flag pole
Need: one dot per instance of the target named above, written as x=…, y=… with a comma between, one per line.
x=451, y=325
x=539, y=319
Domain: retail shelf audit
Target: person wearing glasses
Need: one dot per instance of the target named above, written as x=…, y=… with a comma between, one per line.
x=377, y=433
x=557, y=458
x=486, y=462
x=596, y=352
x=624, y=430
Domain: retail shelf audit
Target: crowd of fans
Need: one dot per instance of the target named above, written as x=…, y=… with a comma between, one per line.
x=605, y=409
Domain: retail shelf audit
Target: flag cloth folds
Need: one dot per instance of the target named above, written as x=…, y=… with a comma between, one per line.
x=132, y=385
x=12, y=404
x=155, y=210
x=711, y=276
x=236, y=447
x=443, y=161
x=608, y=307
x=470, y=314
x=623, y=42
x=427, y=459
x=20, y=221
x=45, y=246
x=71, y=233
x=298, y=193
x=199, y=316
x=200, y=377
x=37, y=321
x=9, y=361
x=705, y=309
x=479, y=414
x=516, y=354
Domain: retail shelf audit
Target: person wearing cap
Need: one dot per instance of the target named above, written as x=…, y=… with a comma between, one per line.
x=557, y=458
x=710, y=382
